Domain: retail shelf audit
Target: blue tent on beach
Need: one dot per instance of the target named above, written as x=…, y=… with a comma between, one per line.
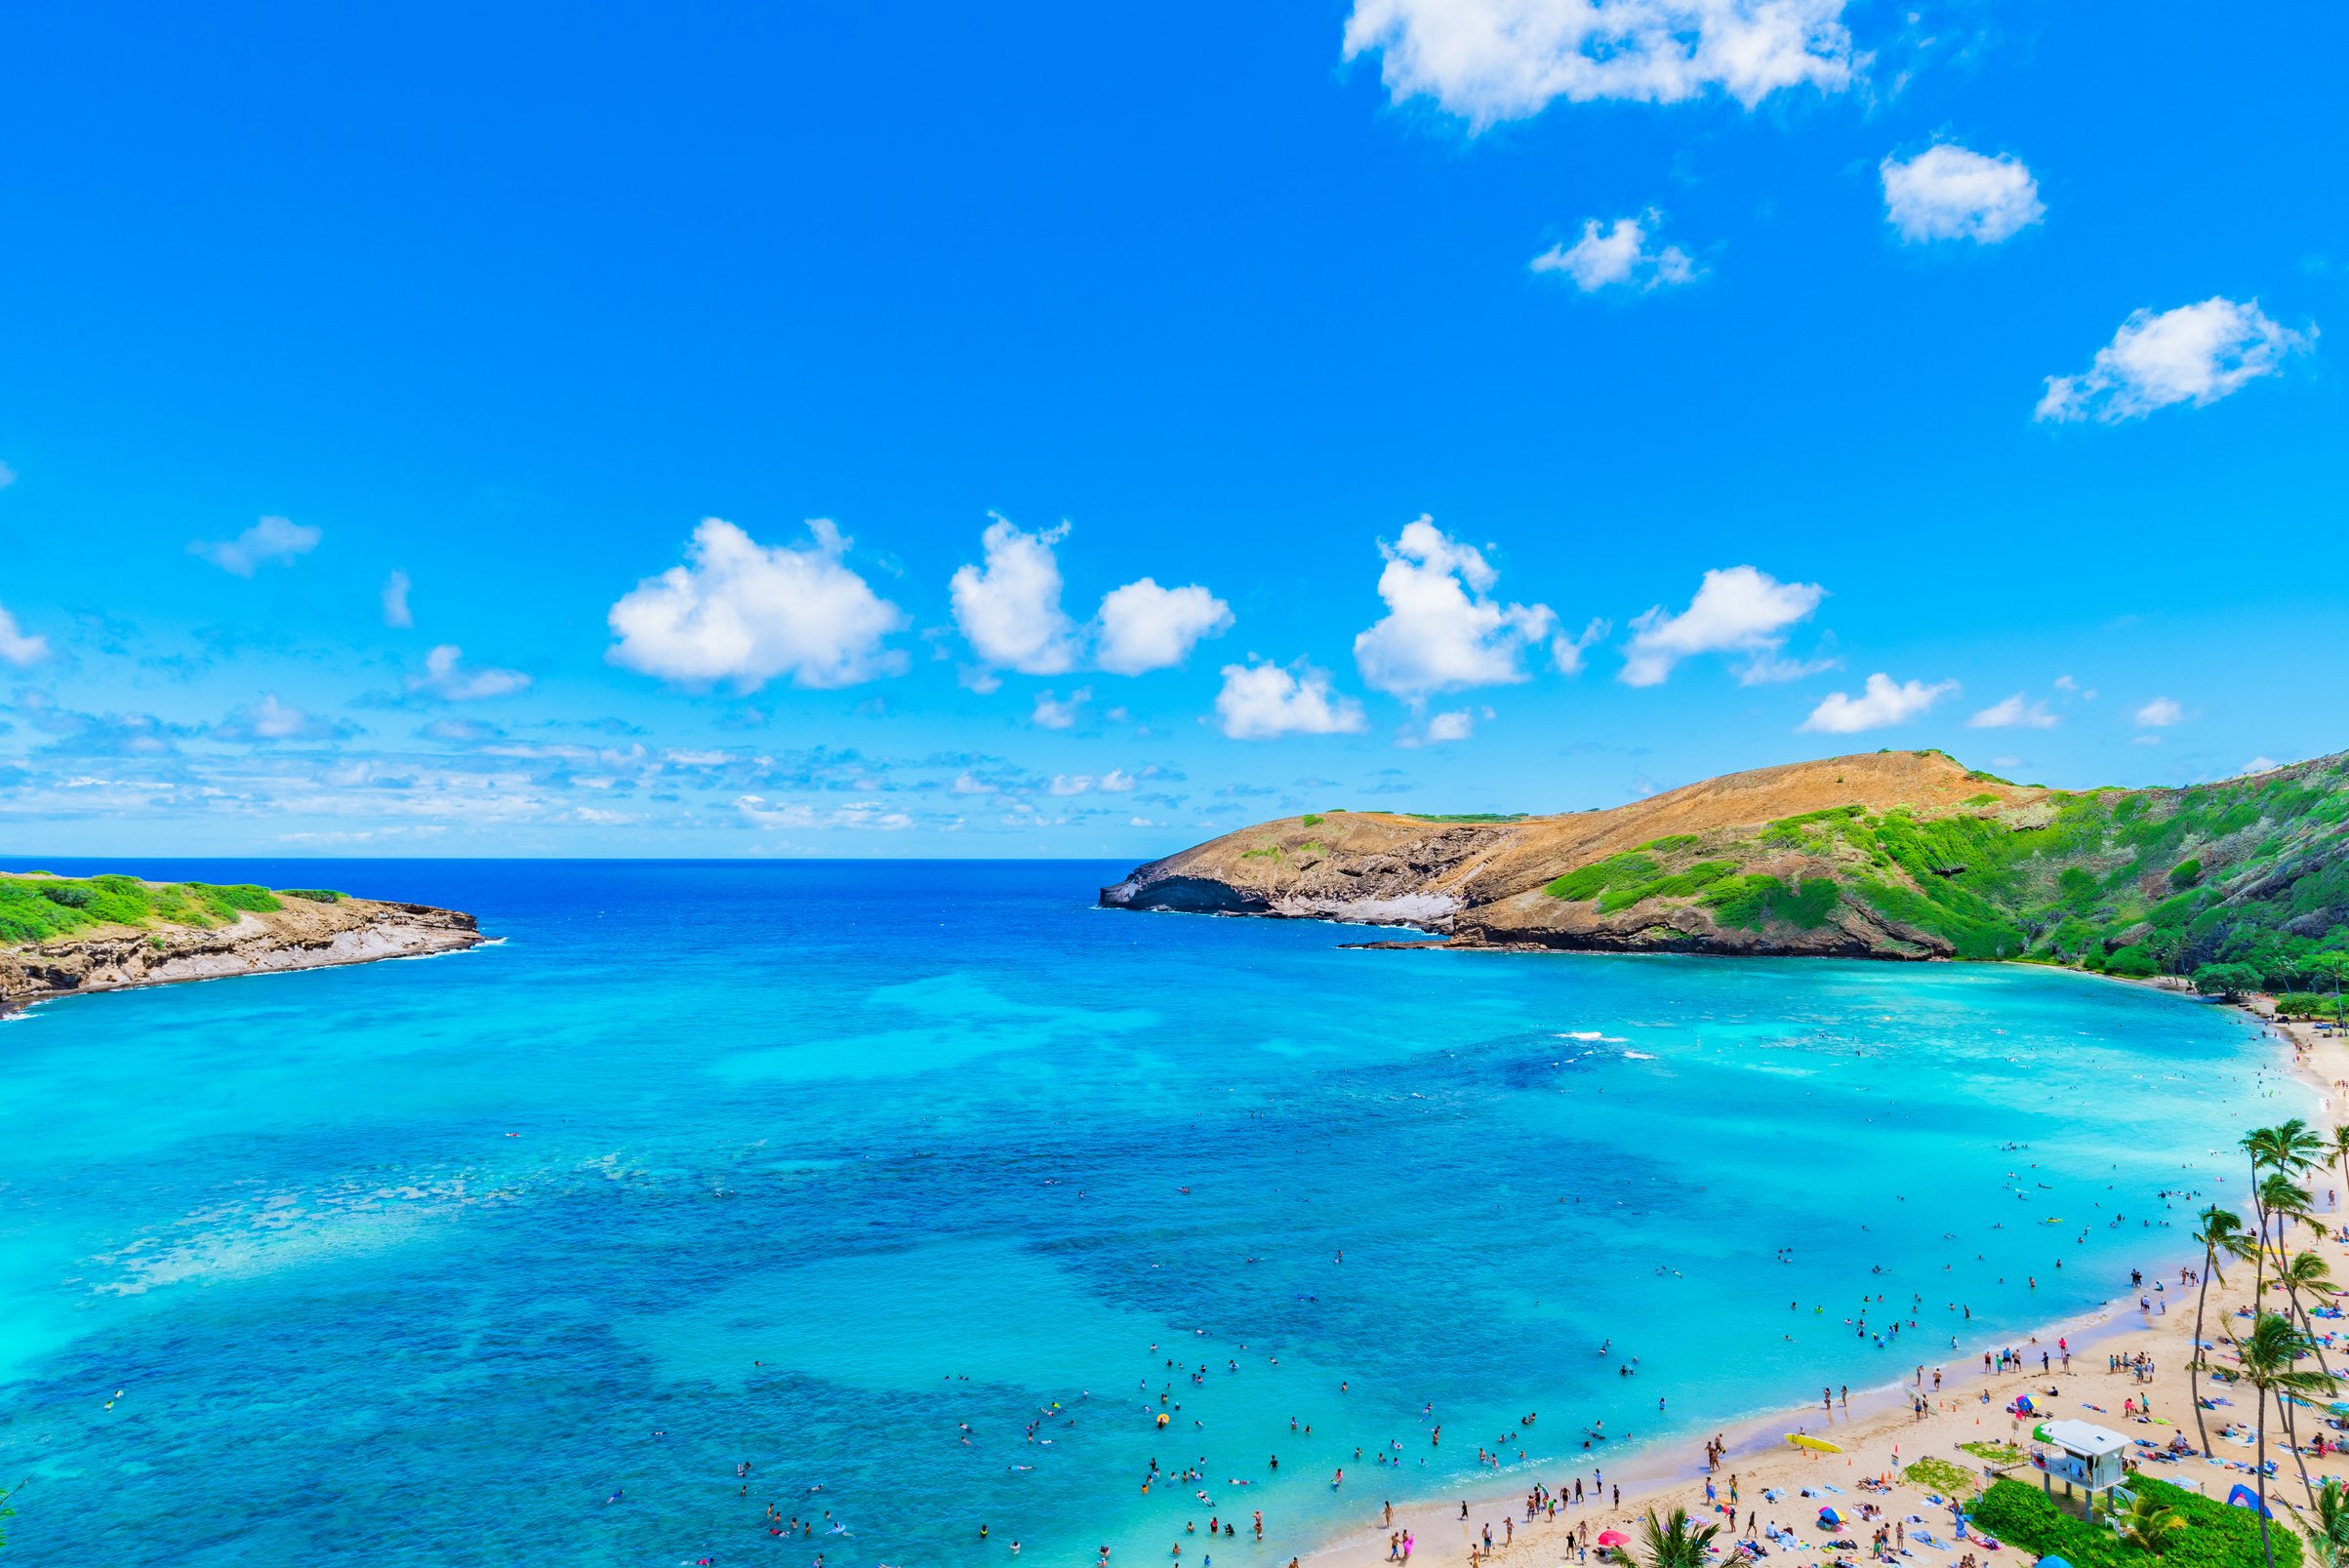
x=2243, y=1496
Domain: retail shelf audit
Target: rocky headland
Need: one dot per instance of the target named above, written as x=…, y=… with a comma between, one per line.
x=109, y=933
x=1903, y=855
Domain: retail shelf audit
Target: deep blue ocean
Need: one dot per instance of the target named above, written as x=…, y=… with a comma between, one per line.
x=908, y=1182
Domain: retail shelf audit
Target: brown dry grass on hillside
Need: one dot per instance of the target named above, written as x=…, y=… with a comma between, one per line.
x=1515, y=856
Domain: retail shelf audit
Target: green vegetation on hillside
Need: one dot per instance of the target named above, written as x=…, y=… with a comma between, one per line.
x=2243, y=885
x=1469, y=817
x=36, y=907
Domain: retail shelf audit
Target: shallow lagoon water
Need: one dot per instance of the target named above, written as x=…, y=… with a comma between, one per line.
x=511, y=1256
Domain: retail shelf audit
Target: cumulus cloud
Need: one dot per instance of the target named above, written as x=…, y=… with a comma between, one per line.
x=2161, y=713
x=2197, y=353
x=16, y=646
x=273, y=539
x=1440, y=728
x=396, y=601
x=1881, y=702
x=747, y=613
x=2013, y=713
x=1737, y=609
x=8, y=476
x=1010, y=609
x=1951, y=192
x=1487, y=60
x=271, y=719
x=1262, y=700
x=1051, y=714
x=1145, y=626
x=446, y=678
x=1622, y=254
x=1443, y=630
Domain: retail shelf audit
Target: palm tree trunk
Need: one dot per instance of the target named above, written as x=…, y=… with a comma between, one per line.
x=2265, y=1545
x=2194, y=1370
x=2291, y=1439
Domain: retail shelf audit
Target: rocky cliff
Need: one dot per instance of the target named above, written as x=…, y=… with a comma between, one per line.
x=1889, y=855
x=297, y=933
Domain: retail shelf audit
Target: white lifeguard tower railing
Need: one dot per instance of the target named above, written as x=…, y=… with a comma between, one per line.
x=2085, y=1454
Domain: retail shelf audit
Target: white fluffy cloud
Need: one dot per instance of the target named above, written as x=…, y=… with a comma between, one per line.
x=16, y=646
x=1951, y=192
x=2197, y=353
x=1010, y=609
x=396, y=601
x=1261, y=701
x=1443, y=630
x=1457, y=725
x=745, y=611
x=2161, y=713
x=1145, y=626
x=1737, y=609
x=1881, y=702
x=1487, y=60
x=273, y=539
x=2013, y=713
x=1622, y=253
x=446, y=677
x=1051, y=714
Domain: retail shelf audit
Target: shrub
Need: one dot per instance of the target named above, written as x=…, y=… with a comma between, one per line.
x=1751, y=901
x=73, y=894
x=1941, y=1475
x=2226, y=980
x=245, y=896
x=2185, y=873
x=329, y=896
x=2306, y=1004
x=2133, y=963
x=2215, y=1535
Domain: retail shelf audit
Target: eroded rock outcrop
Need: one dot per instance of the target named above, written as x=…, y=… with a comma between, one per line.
x=301, y=935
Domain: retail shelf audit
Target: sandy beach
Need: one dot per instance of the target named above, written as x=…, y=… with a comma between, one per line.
x=1881, y=1434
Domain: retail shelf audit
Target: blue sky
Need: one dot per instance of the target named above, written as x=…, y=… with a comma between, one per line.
x=1080, y=430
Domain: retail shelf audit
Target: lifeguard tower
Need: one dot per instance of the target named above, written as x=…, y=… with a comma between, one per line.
x=2085, y=1455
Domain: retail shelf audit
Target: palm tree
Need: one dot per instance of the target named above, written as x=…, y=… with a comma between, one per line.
x=2330, y=1540
x=2148, y=1524
x=2269, y=1354
x=1672, y=1543
x=2339, y=1151
x=2285, y=1149
x=2220, y=1231
x=2287, y=1201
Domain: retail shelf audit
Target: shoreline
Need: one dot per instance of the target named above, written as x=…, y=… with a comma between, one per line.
x=1874, y=1431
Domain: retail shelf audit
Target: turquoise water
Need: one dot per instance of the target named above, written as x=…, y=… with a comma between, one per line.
x=512, y=1257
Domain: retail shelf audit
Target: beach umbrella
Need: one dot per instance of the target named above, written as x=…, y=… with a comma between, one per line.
x=2053, y=1562
x=1830, y=1516
x=1613, y=1537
